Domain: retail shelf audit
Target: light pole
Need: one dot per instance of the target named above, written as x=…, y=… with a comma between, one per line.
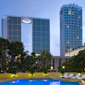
x=63, y=67
x=51, y=68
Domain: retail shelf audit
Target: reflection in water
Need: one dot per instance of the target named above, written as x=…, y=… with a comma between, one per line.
x=45, y=80
x=15, y=81
x=55, y=83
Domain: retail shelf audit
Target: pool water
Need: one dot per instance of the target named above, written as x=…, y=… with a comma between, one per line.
x=38, y=82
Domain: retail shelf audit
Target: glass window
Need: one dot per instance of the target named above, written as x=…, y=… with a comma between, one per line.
x=19, y=33
x=38, y=21
x=19, y=20
x=14, y=20
x=10, y=33
x=10, y=20
x=35, y=45
x=38, y=45
x=46, y=34
x=19, y=27
x=14, y=38
x=42, y=28
x=46, y=45
x=10, y=38
x=14, y=27
x=43, y=46
x=46, y=28
x=38, y=51
x=42, y=39
x=47, y=23
x=38, y=34
x=34, y=50
x=15, y=33
x=38, y=28
x=19, y=39
x=42, y=22
x=46, y=40
x=42, y=34
x=10, y=27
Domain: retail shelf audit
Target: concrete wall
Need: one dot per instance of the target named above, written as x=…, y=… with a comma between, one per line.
x=25, y=75
x=35, y=75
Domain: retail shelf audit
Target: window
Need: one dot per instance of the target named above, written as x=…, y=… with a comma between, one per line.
x=14, y=38
x=47, y=23
x=42, y=22
x=14, y=20
x=10, y=38
x=19, y=33
x=10, y=33
x=67, y=26
x=79, y=17
x=19, y=27
x=19, y=20
x=46, y=28
x=15, y=33
x=19, y=39
x=14, y=27
x=10, y=20
x=10, y=27
x=72, y=12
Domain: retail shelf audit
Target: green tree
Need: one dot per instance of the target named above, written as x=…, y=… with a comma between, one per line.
x=4, y=44
x=15, y=49
x=45, y=60
x=76, y=63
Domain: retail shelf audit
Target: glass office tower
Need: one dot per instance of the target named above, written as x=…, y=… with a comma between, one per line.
x=70, y=28
x=41, y=35
x=11, y=30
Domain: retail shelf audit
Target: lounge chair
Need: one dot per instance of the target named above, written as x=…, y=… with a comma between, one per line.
x=69, y=76
x=77, y=76
x=82, y=77
x=63, y=75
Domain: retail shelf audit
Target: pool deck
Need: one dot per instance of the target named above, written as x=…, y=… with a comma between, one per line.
x=81, y=82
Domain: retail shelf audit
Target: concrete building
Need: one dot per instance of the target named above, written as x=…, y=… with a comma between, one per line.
x=12, y=28
x=58, y=61
x=74, y=52
x=70, y=27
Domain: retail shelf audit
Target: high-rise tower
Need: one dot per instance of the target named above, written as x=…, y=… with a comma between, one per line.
x=11, y=30
x=70, y=27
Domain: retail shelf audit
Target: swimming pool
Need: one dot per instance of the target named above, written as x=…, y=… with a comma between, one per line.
x=38, y=82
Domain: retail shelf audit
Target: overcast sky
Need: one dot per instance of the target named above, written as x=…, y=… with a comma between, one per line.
x=41, y=9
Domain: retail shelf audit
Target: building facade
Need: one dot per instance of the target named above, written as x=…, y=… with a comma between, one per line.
x=70, y=27
x=12, y=28
x=74, y=52
x=57, y=61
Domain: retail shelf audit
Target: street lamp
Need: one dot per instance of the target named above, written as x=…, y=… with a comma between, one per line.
x=63, y=67
x=51, y=68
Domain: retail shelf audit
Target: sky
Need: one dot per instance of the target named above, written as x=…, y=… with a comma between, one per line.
x=39, y=9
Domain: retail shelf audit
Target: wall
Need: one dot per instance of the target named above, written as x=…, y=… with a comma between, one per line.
x=25, y=75
x=35, y=75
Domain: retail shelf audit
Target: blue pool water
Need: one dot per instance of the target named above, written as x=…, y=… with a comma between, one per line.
x=38, y=82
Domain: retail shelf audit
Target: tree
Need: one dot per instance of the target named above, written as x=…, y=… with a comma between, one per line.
x=15, y=49
x=4, y=44
x=76, y=63
x=46, y=59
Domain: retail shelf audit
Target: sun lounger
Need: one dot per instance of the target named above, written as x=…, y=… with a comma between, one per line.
x=63, y=75
x=77, y=76
x=69, y=76
x=82, y=77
